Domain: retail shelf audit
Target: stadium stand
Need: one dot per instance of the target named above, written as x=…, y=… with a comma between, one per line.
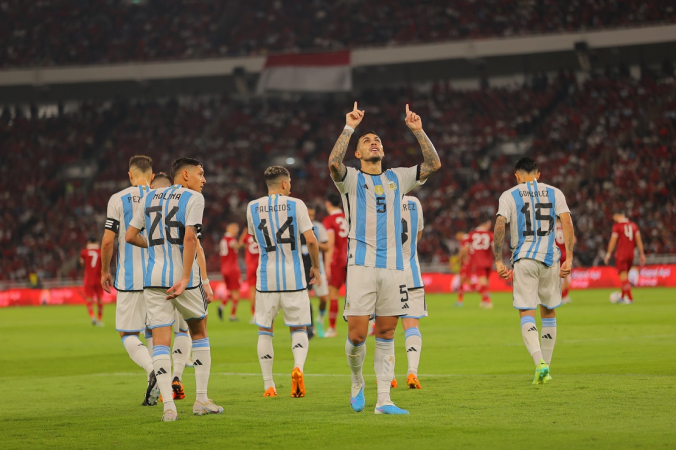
x=71, y=32
x=603, y=140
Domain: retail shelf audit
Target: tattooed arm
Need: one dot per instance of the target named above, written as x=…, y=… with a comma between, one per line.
x=336, y=166
x=431, y=161
x=569, y=239
x=498, y=241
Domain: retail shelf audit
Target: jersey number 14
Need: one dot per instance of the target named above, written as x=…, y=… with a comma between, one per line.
x=279, y=235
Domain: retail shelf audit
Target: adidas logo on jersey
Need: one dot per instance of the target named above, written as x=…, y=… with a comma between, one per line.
x=160, y=372
x=547, y=336
x=412, y=349
x=266, y=357
x=197, y=362
x=297, y=346
x=405, y=306
x=533, y=329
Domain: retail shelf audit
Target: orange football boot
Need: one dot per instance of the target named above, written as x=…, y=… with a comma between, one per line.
x=394, y=384
x=177, y=387
x=413, y=382
x=271, y=392
x=298, y=384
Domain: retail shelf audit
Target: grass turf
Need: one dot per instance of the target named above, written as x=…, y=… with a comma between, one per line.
x=68, y=384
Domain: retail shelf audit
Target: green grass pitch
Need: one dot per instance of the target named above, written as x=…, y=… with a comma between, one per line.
x=67, y=384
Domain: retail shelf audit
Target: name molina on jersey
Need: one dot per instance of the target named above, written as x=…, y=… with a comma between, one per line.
x=166, y=196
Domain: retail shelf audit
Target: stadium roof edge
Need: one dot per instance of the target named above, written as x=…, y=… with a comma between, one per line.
x=361, y=57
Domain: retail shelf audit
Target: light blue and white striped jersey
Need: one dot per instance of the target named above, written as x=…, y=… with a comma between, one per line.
x=412, y=222
x=165, y=213
x=373, y=209
x=322, y=237
x=532, y=210
x=131, y=260
x=276, y=222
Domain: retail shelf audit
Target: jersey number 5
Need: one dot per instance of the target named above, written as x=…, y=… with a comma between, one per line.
x=269, y=246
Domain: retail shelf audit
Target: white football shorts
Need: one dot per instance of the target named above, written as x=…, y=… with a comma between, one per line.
x=191, y=304
x=130, y=312
x=375, y=291
x=417, y=305
x=536, y=284
x=295, y=306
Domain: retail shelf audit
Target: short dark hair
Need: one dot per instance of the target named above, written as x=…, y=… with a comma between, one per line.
x=162, y=176
x=526, y=164
x=334, y=199
x=141, y=162
x=273, y=173
x=364, y=134
x=180, y=163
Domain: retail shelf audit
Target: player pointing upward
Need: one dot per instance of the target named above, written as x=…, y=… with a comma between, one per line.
x=532, y=210
x=376, y=283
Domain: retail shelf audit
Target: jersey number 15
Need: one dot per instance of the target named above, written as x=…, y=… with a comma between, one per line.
x=539, y=216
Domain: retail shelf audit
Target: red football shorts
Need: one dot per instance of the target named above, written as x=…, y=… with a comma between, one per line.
x=338, y=275
x=93, y=290
x=251, y=276
x=623, y=265
x=466, y=272
x=231, y=279
x=482, y=271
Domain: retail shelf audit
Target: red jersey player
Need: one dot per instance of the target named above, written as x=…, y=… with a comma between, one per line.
x=565, y=282
x=481, y=258
x=251, y=258
x=230, y=269
x=465, y=267
x=626, y=236
x=90, y=258
x=337, y=229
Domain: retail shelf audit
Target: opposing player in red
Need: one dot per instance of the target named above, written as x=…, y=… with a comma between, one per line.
x=337, y=229
x=565, y=282
x=626, y=236
x=481, y=258
x=251, y=259
x=230, y=269
x=465, y=267
x=90, y=258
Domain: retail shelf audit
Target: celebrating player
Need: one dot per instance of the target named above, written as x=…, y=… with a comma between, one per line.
x=321, y=290
x=413, y=223
x=278, y=221
x=173, y=218
x=90, y=258
x=130, y=310
x=375, y=278
x=532, y=210
x=626, y=236
x=336, y=229
x=481, y=258
x=251, y=259
x=230, y=269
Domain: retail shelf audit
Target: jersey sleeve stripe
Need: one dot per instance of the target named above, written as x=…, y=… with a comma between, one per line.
x=360, y=232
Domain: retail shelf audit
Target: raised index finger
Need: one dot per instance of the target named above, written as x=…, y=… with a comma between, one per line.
x=355, y=107
x=408, y=111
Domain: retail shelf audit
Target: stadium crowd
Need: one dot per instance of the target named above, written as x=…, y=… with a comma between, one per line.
x=602, y=141
x=65, y=32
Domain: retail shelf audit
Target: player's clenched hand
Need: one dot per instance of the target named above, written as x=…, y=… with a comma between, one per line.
x=177, y=289
x=413, y=121
x=566, y=267
x=106, y=281
x=354, y=117
x=209, y=292
x=314, y=276
x=502, y=270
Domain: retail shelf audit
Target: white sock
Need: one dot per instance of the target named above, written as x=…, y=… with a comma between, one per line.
x=355, y=360
x=138, y=352
x=266, y=356
x=548, y=339
x=413, y=348
x=529, y=331
x=162, y=366
x=149, y=341
x=201, y=355
x=383, y=363
x=299, y=348
x=182, y=344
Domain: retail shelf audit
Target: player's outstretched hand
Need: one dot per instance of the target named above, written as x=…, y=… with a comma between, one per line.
x=566, y=268
x=314, y=276
x=106, y=281
x=413, y=121
x=208, y=291
x=177, y=289
x=354, y=117
x=502, y=270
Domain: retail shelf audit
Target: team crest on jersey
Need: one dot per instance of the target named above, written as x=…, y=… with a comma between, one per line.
x=392, y=185
x=378, y=189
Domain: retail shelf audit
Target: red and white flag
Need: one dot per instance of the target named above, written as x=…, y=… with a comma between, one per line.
x=307, y=72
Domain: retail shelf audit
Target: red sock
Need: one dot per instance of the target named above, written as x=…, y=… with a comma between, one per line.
x=626, y=290
x=233, y=311
x=485, y=297
x=100, y=307
x=333, y=312
x=461, y=293
x=90, y=310
x=564, y=292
